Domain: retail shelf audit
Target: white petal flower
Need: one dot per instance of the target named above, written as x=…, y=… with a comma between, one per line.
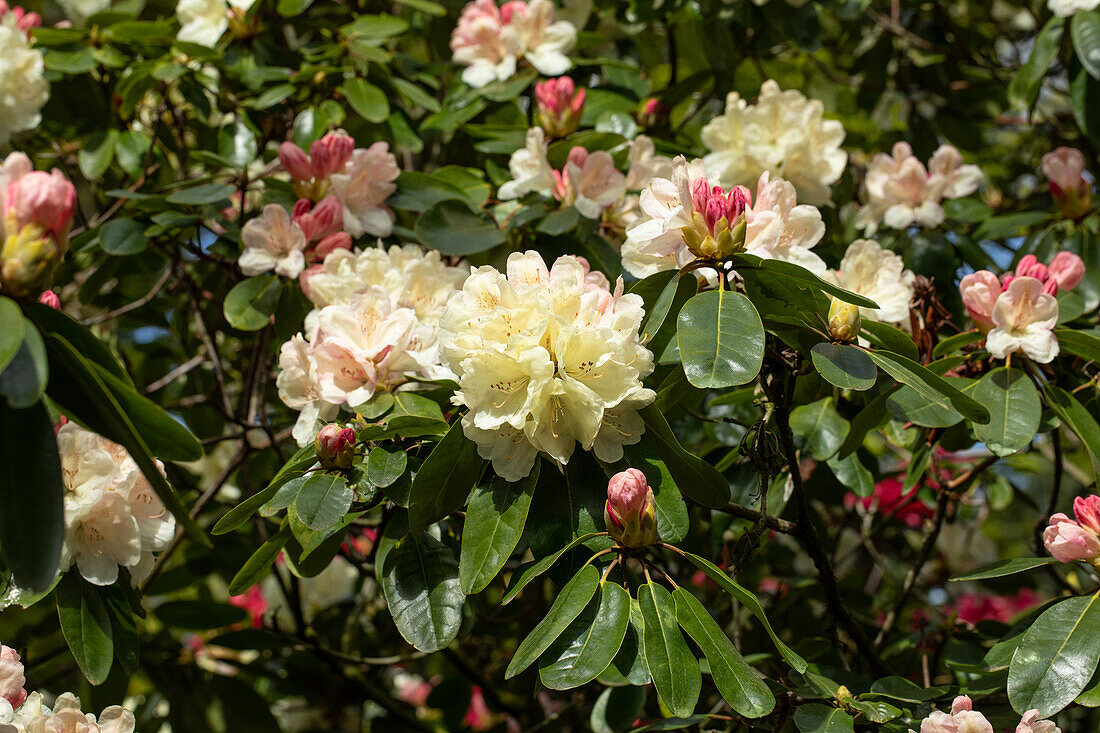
x=546, y=358
x=1024, y=318
x=784, y=134
x=643, y=164
x=531, y=171
x=363, y=187
x=202, y=21
x=545, y=42
x=594, y=184
x=79, y=10
x=272, y=241
x=879, y=274
x=23, y=88
x=1066, y=8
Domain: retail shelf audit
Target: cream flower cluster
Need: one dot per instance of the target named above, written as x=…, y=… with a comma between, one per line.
x=899, y=191
x=784, y=134
x=23, y=87
x=205, y=21
x=113, y=517
x=963, y=718
x=489, y=40
x=879, y=274
x=23, y=713
x=546, y=359
x=776, y=226
x=1066, y=8
x=376, y=322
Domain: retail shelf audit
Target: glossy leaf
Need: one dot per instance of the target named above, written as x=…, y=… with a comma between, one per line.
x=1084, y=29
x=587, y=646
x=86, y=626
x=820, y=427
x=1076, y=418
x=929, y=384
x=422, y=590
x=256, y=567
x=443, y=482
x=251, y=303
x=323, y=500
x=493, y=527
x=11, y=330
x=844, y=365
x=529, y=572
x=818, y=718
x=741, y=687
x=1056, y=657
x=24, y=380
x=567, y=606
x=674, y=669
x=453, y=229
x=1001, y=568
x=1014, y=410
x=721, y=339
x=32, y=491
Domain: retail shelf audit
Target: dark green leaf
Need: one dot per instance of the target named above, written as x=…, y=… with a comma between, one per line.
x=696, y=479
x=1084, y=29
x=820, y=427
x=443, y=482
x=1001, y=568
x=929, y=384
x=673, y=667
x=494, y=524
x=453, y=229
x=323, y=500
x=24, y=379
x=567, y=606
x=844, y=365
x=1014, y=411
x=200, y=615
x=251, y=303
x=589, y=643
x=12, y=326
x=420, y=582
x=1077, y=419
x=818, y=718
x=368, y=101
x=86, y=626
x=122, y=237
x=721, y=339
x=210, y=193
x=257, y=565
x=529, y=572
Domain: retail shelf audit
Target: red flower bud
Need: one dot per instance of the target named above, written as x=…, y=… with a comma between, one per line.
x=335, y=446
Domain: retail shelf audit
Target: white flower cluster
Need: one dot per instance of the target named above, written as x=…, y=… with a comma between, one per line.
x=776, y=226
x=23, y=713
x=546, y=359
x=113, y=517
x=489, y=40
x=783, y=134
x=23, y=88
x=899, y=191
x=879, y=274
x=1066, y=8
x=376, y=322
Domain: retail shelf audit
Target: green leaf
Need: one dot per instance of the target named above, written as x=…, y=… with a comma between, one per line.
x=323, y=500
x=200, y=615
x=616, y=709
x=852, y=474
x=375, y=26
x=443, y=482
x=384, y=467
x=696, y=479
x=750, y=602
x=526, y=573
x=908, y=405
x=292, y=8
x=95, y=157
x=1024, y=87
x=494, y=524
x=1000, y=227
x=368, y=101
x=85, y=626
x=821, y=427
x=899, y=688
x=1077, y=419
x=589, y=643
x=50, y=321
x=257, y=565
x=453, y=229
x=741, y=687
x=567, y=606
x=1057, y=657
x=420, y=582
x=123, y=237
x=673, y=667
x=12, y=326
x=951, y=344
x=885, y=336
x=166, y=437
x=24, y=380
x=1001, y=568
x=123, y=629
x=251, y=303
x=818, y=718
x=1085, y=344
x=32, y=517
x=1084, y=29
x=672, y=512
x=802, y=276
x=844, y=365
x=721, y=339
x=210, y=193
x=241, y=513
x=1014, y=411
x=931, y=385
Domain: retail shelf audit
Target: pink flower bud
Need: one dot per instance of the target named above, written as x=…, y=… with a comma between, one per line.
x=630, y=513
x=578, y=156
x=509, y=9
x=560, y=104
x=321, y=220
x=1050, y=287
x=331, y=154
x=1086, y=509
x=295, y=161
x=980, y=291
x=331, y=243
x=46, y=199
x=1064, y=169
x=739, y=198
x=1068, y=541
x=961, y=703
x=1068, y=269
x=49, y=298
x=1030, y=723
x=335, y=446
x=11, y=677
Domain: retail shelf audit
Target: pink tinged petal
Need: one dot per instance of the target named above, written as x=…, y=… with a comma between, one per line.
x=1067, y=269
x=1087, y=511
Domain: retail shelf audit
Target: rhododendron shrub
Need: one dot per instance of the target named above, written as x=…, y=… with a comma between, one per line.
x=562, y=365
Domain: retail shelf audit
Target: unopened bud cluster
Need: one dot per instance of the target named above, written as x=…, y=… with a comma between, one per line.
x=335, y=447
x=630, y=513
x=717, y=228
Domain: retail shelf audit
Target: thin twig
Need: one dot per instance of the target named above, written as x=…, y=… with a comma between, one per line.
x=133, y=305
